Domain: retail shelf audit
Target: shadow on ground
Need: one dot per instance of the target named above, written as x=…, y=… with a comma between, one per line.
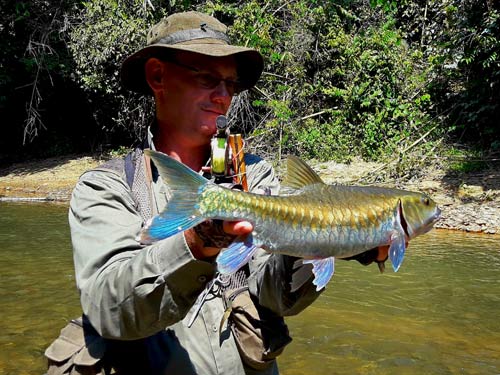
x=473, y=186
x=42, y=165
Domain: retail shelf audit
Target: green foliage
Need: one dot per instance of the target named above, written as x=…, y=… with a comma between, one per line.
x=460, y=41
x=104, y=34
x=478, y=104
x=386, y=5
x=465, y=160
x=376, y=96
x=378, y=79
x=119, y=152
x=32, y=60
x=345, y=88
x=315, y=139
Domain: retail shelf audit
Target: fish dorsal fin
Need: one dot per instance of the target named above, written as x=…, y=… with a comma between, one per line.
x=299, y=174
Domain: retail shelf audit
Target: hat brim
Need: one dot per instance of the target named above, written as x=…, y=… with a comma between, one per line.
x=249, y=62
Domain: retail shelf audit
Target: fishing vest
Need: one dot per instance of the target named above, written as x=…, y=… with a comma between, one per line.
x=260, y=335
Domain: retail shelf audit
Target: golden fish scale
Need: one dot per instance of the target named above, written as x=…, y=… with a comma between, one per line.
x=318, y=210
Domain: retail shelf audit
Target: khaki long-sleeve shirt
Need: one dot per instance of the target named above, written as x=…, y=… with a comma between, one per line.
x=130, y=291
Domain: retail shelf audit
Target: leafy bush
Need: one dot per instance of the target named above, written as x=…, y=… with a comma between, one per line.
x=460, y=41
x=103, y=34
x=333, y=86
x=378, y=79
x=33, y=60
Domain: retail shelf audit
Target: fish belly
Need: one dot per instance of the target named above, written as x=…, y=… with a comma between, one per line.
x=307, y=243
x=293, y=226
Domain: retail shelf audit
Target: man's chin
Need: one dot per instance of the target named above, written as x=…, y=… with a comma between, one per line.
x=208, y=130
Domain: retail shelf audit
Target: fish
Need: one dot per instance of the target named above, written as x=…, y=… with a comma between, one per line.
x=309, y=219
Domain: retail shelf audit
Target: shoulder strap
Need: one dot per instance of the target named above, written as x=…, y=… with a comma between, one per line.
x=139, y=180
x=115, y=165
x=129, y=168
x=135, y=169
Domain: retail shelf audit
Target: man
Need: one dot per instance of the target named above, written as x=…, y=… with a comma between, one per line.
x=141, y=298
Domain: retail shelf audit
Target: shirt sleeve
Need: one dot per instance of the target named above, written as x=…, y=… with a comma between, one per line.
x=271, y=274
x=128, y=291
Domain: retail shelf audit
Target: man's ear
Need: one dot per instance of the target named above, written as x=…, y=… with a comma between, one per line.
x=155, y=71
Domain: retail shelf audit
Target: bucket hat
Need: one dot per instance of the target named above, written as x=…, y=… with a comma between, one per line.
x=193, y=32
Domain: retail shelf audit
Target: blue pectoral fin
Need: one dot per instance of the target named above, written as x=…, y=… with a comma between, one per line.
x=322, y=269
x=236, y=255
x=397, y=251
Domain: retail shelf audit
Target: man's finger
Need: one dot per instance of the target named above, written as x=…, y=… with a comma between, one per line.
x=383, y=253
x=209, y=252
x=238, y=228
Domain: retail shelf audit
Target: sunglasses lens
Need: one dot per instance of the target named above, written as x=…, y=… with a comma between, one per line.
x=208, y=81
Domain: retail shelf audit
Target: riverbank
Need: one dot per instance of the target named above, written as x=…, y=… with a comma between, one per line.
x=470, y=202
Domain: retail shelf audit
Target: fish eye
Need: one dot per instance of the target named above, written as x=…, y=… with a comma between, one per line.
x=426, y=201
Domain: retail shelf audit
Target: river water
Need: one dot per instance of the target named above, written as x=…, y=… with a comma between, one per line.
x=440, y=314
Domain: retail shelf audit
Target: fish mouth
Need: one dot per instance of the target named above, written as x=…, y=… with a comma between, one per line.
x=426, y=226
x=437, y=215
x=434, y=218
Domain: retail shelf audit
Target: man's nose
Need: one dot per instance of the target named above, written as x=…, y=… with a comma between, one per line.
x=223, y=90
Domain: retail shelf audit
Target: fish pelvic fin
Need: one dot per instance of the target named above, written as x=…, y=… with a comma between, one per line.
x=236, y=255
x=299, y=175
x=182, y=209
x=323, y=270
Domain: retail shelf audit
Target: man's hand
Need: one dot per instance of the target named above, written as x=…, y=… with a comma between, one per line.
x=383, y=253
x=377, y=254
x=208, y=238
x=237, y=228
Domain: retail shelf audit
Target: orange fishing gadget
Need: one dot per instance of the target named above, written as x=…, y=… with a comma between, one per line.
x=227, y=155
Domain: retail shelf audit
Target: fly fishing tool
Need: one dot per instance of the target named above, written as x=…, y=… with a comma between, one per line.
x=227, y=157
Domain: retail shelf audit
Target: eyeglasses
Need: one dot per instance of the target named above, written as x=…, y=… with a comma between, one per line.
x=209, y=81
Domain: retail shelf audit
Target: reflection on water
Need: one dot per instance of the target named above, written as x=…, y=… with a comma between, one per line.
x=37, y=285
x=437, y=315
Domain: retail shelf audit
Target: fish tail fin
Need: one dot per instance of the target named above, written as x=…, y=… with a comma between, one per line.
x=182, y=209
x=236, y=255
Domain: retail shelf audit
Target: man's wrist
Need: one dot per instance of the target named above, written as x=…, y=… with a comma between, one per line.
x=212, y=233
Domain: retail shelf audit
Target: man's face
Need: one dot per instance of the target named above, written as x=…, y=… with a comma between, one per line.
x=197, y=89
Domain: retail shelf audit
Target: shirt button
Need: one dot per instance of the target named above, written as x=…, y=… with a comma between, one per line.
x=214, y=328
x=202, y=279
